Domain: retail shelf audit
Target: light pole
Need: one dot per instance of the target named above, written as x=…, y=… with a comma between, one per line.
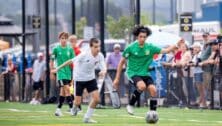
x=73, y=17
x=137, y=20
x=47, y=46
x=23, y=49
x=102, y=26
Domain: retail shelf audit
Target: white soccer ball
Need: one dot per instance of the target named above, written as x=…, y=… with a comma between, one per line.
x=152, y=117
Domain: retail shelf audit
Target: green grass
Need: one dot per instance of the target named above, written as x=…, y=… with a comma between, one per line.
x=21, y=114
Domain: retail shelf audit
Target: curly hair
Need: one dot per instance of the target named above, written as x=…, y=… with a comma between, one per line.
x=140, y=28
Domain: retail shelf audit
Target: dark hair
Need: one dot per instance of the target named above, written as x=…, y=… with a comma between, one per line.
x=93, y=40
x=206, y=34
x=65, y=34
x=140, y=28
x=219, y=38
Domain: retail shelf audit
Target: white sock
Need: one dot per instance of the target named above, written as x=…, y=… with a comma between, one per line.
x=74, y=107
x=89, y=112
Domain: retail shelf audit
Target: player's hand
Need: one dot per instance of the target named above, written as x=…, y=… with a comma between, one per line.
x=52, y=74
x=54, y=71
x=115, y=83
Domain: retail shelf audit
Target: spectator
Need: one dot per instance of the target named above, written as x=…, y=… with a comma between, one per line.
x=207, y=69
x=187, y=72
x=38, y=78
x=112, y=63
x=9, y=75
x=114, y=57
x=198, y=74
x=177, y=74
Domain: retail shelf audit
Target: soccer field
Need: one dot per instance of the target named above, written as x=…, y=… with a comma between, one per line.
x=23, y=114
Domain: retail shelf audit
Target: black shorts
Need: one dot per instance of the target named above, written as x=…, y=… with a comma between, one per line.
x=64, y=82
x=89, y=85
x=146, y=79
x=38, y=85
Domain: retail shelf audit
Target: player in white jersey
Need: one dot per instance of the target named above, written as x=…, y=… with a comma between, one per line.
x=84, y=74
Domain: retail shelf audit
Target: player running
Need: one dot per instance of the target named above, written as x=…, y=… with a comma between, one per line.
x=139, y=56
x=84, y=75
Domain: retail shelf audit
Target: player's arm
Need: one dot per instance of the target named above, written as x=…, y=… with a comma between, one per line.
x=118, y=72
x=64, y=64
x=168, y=49
x=172, y=47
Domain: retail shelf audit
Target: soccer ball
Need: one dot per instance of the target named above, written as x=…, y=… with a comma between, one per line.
x=152, y=117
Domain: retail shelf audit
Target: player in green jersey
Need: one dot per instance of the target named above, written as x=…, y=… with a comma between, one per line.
x=60, y=54
x=139, y=55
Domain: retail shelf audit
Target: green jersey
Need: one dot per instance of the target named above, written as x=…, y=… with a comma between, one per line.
x=60, y=55
x=139, y=58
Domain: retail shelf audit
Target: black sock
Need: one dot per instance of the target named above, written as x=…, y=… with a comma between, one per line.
x=61, y=100
x=69, y=101
x=80, y=108
x=134, y=97
x=72, y=97
x=153, y=104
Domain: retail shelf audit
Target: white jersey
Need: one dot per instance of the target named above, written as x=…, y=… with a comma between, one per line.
x=85, y=64
x=38, y=69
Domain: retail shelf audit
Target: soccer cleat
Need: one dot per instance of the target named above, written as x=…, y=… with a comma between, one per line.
x=58, y=112
x=32, y=102
x=88, y=120
x=129, y=109
x=73, y=111
x=36, y=103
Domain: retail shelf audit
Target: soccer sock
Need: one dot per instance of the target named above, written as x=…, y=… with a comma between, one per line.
x=73, y=98
x=69, y=101
x=153, y=104
x=61, y=100
x=80, y=108
x=89, y=112
x=136, y=94
x=75, y=107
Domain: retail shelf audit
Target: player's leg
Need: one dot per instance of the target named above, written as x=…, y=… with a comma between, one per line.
x=140, y=87
x=61, y=99
x=93, y=90
x=67, y=93
x=153, y=93
x=69, y=99
x=72, y=90
x=79, y=87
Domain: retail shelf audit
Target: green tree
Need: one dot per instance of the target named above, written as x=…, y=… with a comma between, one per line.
x=116, y=28
x=80, y=27
x=144, y=18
